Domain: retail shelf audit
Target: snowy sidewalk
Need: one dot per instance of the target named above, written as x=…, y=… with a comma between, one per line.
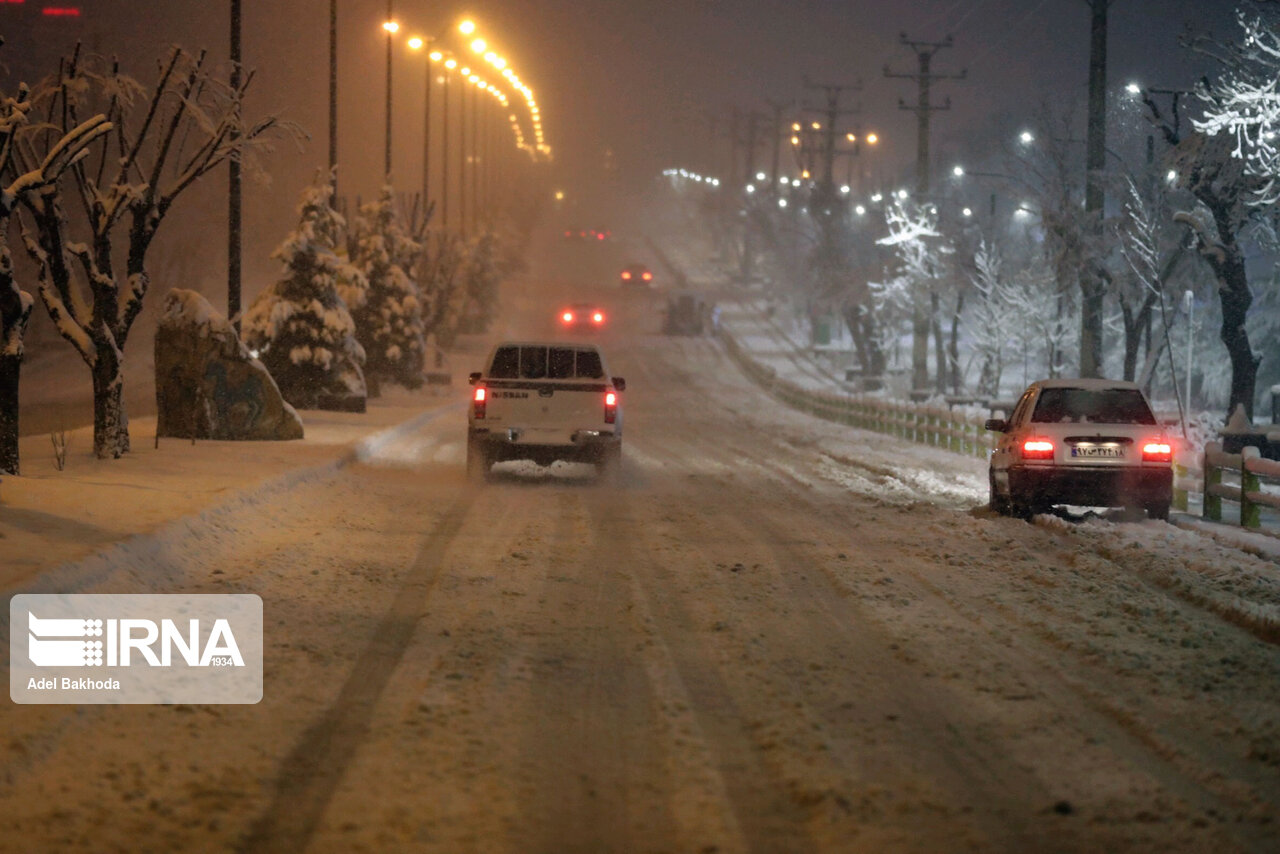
x=50, y=517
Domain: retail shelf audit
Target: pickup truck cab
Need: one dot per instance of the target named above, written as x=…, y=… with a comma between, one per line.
x=545, y=401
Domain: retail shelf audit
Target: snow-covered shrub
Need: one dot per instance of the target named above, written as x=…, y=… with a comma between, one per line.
x=389, y=321
x=300, y=325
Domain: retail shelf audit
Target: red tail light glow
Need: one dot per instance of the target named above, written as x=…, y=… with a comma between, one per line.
x=1157, y=452
x=599, y=235
x=626, y=274
x=648, y=276
x=598, y=317
x=1037, y=449
x=479, y=400
x=567, y=317
x=610, y=407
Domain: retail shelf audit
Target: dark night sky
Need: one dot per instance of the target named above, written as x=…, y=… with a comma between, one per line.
x=640, y=75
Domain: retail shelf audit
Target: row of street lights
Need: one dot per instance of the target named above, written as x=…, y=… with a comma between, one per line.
x=474, y=157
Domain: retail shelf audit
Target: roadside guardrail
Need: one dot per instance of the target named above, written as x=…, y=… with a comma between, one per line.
x=1250, y=473
x=957, y=430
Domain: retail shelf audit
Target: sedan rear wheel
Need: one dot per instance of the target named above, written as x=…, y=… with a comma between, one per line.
x=997, y=502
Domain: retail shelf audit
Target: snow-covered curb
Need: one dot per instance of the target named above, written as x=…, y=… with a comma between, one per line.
x=124, y=561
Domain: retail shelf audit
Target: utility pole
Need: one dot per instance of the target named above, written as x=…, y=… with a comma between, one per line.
x=832, y=112
x=1091, y=282
x=778, y=109
x=233, y=206
x=924, y=108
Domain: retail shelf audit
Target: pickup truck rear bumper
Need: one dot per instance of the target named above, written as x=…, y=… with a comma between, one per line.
x=514, y=443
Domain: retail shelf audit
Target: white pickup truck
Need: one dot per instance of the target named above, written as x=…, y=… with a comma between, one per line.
x=545, y=401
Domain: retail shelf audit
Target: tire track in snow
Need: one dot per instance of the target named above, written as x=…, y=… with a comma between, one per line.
x=312, y=771
x=589, y=726
x=761, y=814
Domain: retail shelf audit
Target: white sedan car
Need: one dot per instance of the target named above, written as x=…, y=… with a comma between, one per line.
x=1091, y=443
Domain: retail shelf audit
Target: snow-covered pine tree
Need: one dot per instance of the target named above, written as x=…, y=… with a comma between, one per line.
x=444, y=292
x=481, y=275
x=389, y=323
x=300, y=325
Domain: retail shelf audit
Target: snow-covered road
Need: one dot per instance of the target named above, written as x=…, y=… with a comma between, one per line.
x=778, y=634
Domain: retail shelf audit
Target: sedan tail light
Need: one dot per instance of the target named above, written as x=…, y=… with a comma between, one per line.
x=648, y=276
x=598, y=317
x=1157, y=452
x=1037, y=449
x=479, y=400
x=610, y=407
x=567, y=317
x=626, y=274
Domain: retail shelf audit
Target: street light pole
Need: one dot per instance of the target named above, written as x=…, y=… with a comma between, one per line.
x=444, y=148
x=233, y=206
x=390, y=27
x=1190, y=299
x=462, y=157
x=426, y=141
x=476, y=104
x=333, y=99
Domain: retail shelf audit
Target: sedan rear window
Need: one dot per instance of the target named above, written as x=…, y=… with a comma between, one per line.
x=1092, y=406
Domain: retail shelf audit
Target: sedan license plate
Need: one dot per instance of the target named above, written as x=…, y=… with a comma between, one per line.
x=1098, y=451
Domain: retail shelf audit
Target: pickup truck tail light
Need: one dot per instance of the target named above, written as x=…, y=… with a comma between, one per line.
x=1157, y=452
x=479, y=400
x=610, y=407
x=1037, y=449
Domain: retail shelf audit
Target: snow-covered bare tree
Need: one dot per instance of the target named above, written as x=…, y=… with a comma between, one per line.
x=1051, y=171
x=1243, y=103
x=1151, y=256
x=299, y=325
x=1224, y=189
x=921, y=253
x=389, y=320
x=990, y=318
x=165, y=138
x=15, y=303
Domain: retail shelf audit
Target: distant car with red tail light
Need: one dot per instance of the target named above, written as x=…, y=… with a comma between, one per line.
x=581, y=316
x=545, y=401
x=636, y=275
x=1085, y=442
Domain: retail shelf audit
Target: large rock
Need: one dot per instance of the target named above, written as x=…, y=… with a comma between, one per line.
x=208, y=386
